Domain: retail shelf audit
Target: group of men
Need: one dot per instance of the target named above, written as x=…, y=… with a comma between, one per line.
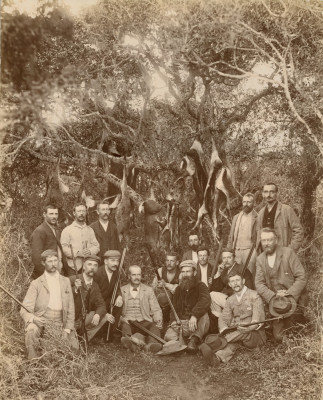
x=216, y=308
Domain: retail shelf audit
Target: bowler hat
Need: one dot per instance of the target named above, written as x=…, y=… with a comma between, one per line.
x=282, y=306
x=215, y=342
x=92, y=257
x=112, y=253
x=188, y=263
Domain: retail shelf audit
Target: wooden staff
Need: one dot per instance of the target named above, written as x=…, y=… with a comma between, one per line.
x=217, y=258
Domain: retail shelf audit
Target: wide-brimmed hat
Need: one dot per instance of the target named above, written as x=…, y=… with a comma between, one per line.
x=173, y=346
x=215, y=341
x=282, y=306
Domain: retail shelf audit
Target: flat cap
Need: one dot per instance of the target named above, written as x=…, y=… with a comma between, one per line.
x=188, y=263
x=48, y=253
x=112, y=253
x=92, y=257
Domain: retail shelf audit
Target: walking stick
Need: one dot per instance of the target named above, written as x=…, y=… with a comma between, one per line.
x=13, y=298
x=115, y=289
x=83, y=330
x=246, y=264
x=217, y=258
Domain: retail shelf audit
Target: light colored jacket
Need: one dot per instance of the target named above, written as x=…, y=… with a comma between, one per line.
x=232, y=240
x=287, y=226
x=250, y=309
x=80, y=237
x=37, y=299
x=149, y=306
x=291, y=274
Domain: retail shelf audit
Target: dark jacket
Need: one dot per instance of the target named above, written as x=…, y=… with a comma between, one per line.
x=106, y=287
x=43, y=239
x=93, y=299
x=290, y=273
x=196, y=301
x=108, y=240
x=221, y=283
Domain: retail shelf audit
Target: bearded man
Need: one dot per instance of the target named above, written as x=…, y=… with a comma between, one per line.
x=191, y=302
x=193, y=244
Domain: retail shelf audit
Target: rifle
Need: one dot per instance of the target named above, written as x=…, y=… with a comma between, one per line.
x=83, y=330
x=217, y=258
x=115, y=289
x=248, y=259
x=235, y=327
x=13, y=298
x=178, y=321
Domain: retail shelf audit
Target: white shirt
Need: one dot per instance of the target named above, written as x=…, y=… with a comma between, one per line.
x=240, y=294
x=55, y=298
x=87, y=280
x=104, y=225
x=271, y=260
x=204, y=274
x=194, y=256
x=134, y=293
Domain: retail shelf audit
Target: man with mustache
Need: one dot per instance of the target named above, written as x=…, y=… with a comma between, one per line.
x=243, y=233
x=82, y=239
x=220, y=289
x=243, y=307
x=193, y=243
x=49, y=300
x=106, y=278
x=84, y=286
x=47, y=236
x=140, y=305
x=281, y=218
x=105, y=230
x=279, y=274
x=191, y=301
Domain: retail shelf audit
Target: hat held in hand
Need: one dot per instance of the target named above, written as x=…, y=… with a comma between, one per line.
x=282, y=306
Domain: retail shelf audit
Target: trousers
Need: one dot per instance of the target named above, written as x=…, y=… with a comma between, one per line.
x=91, y=330
x=128, y=330
x=203, y=325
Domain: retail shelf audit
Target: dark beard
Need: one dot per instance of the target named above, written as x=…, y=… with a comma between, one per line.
x=187, y=283
x=194, y=247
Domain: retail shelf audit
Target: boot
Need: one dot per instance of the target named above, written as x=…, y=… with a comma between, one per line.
x=192, y=346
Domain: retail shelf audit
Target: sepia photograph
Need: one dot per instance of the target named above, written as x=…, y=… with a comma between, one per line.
x=161, y=200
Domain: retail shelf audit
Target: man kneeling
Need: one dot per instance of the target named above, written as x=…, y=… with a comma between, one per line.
x=191, y=302
x=243, y=307
x=141, y=307
x=49, y=300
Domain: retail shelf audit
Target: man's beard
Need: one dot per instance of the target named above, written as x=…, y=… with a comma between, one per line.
x=187, y=282
x=194, y=247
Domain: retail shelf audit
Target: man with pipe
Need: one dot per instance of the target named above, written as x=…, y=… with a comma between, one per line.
x=280, y=280
x=140, y=309
x=87, y=290
x=49, y=300
x=191, y=302
x=220, y=289
x=243, y=307
x=107, y=277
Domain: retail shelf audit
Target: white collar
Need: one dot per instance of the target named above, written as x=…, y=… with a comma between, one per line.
x=87, y=280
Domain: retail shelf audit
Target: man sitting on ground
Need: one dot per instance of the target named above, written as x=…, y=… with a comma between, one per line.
x=87, y=290
x=140, y=305
x=49, y=300
x=243, y=307
x=191, y=301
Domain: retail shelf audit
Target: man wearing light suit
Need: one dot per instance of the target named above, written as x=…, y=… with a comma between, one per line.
x=49, y=300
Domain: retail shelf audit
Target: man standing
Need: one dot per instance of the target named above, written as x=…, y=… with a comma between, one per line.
x=281, y=218
x=49, y=300
x=105, y=231
x=243, y=233
x=281, y=274
x=141, y=306
x=220, y=288
x=204, y=268
x=191, y=302
x=243, y=307
x=86, y=290
x=82, y=239
x=170, y=279
x=106, y=278
x=46, y=236
x=193, y=243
